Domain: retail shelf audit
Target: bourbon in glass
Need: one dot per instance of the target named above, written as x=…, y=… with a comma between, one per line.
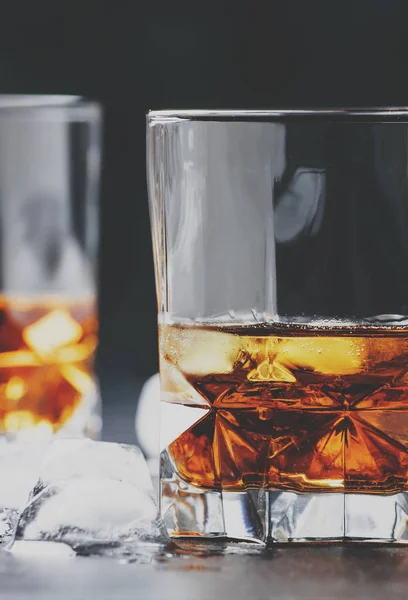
x=291, y=408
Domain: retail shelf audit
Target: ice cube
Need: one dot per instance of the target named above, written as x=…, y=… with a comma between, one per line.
x=20, y=462
x=80, y=458
x=146, y=425
x=199, y=351
x=90, y=496
x=8, y=523
x=330, y=355
x=19, y=468
x=51, y=332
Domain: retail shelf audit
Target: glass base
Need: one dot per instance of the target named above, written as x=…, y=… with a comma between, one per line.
x=266, y=517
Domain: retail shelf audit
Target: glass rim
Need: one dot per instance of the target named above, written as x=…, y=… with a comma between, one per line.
x=49, y=107
x=374, y=114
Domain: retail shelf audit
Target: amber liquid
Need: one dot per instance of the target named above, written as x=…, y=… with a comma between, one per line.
x=304, y=410
x=47, y=349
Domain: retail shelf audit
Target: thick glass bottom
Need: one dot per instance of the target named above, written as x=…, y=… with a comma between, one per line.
x=266, y=517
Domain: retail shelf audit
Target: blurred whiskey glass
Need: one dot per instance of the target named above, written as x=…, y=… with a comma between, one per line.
x=49, y=179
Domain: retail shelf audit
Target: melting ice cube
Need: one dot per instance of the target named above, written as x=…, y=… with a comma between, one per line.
x=92, y=495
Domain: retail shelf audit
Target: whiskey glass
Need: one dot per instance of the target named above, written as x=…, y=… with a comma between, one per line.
x=281, y=250
x=49, y=177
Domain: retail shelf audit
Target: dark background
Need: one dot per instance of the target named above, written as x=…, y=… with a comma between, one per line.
x=131, y=56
